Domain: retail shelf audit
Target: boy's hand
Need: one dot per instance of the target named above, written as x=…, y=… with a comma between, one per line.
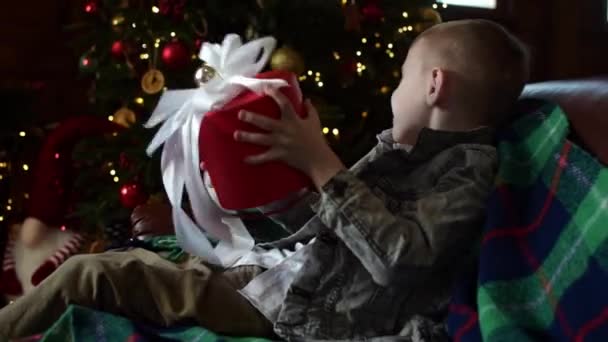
x=296, y=141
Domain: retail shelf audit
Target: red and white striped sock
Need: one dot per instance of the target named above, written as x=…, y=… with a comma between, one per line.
x=51, y=264
x=9, y=283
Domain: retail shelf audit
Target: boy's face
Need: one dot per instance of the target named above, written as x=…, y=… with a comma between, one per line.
x=408, y=102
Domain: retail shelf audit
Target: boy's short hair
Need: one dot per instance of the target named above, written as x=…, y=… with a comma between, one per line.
x=494, y=64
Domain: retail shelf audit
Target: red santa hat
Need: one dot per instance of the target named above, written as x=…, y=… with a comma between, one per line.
x=49, y=195
x=53, y=173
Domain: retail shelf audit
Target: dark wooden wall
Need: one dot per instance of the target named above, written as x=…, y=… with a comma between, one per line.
x=35, y=57
x=568, y=38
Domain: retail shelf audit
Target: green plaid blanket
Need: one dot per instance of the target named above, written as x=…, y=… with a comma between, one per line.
x=79, y=324
x=543, y=265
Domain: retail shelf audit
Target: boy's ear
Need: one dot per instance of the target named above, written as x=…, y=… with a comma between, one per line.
x=436, y=87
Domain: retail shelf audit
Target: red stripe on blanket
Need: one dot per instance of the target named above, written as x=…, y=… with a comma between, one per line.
x=544, y=279
x=523, y=231
x=471, y=321
x=592, y=325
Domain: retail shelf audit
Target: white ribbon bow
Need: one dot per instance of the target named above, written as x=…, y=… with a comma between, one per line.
x=182, y=112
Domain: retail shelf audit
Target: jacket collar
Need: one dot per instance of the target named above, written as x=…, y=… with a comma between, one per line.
x=430, y=141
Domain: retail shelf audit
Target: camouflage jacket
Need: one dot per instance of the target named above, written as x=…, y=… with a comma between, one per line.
x=391, y=233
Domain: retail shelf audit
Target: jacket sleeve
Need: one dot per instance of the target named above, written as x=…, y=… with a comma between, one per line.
x=296, y=216
x=426, y=231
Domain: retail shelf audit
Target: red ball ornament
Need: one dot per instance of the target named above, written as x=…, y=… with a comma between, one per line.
x=372, y=12
x=175, y=55
x=132, y=195
x=118, y=49
x=91, y=7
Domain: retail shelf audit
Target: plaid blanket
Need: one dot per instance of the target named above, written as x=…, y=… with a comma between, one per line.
x=79, y=324
x=543, y=266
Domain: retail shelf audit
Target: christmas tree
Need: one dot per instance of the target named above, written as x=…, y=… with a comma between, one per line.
x=347, y=54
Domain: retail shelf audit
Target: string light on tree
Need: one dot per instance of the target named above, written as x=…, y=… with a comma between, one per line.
x=26, y=167
x=118, y=20
x=88, y=63
x=335, y=132
x=360, y=67
x=155, y=9
x=22, y=134
x=325, y=130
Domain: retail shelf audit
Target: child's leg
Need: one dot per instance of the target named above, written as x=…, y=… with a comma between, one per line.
x=141, y=286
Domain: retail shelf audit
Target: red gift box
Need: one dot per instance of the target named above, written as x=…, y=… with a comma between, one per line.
x=240, y=185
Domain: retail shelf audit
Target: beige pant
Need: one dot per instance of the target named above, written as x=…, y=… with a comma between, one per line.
x=142, y=286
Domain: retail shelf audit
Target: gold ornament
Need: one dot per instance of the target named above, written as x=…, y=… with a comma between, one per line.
x=287, y=59
x=204, y=74
x=430, y=17
x=153, y=81
x=429, y=14
x=124, y=117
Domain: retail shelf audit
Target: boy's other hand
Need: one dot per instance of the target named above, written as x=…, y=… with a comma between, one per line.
x=297, y=141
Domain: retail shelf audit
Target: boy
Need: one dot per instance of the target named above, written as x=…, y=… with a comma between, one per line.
x=383, y=240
